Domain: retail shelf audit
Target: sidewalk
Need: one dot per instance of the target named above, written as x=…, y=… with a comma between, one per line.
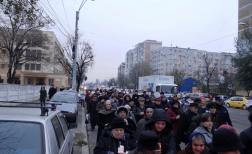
x=80, y=134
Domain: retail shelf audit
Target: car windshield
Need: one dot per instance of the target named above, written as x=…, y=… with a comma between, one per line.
x=64, y=98
x=21, y=138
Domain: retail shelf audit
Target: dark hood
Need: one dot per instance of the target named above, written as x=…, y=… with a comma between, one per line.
x=159, y=115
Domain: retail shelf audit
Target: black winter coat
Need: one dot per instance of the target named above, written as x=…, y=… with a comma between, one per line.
x=43, y=95
x=166, y=137
x=137, y=112
x=187, y=123
x=221, y=117
x=246, y=139
x=104, y=119
x=107, y=143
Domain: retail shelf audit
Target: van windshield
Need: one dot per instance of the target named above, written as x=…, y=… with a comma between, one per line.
x=169, y=89
x=21, y=137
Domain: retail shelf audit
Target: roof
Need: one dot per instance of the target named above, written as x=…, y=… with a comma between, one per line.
x=24, y=114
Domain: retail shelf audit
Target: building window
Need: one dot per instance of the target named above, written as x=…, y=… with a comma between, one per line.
x=32, y=66
x=19, y=67
x=2, y=65
x=38, y=67
x=27, y=66
x=33, y=55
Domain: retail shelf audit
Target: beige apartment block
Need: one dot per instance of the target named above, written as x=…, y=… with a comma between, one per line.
x=44, y=70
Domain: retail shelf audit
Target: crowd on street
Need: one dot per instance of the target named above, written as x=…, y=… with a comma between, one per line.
x=150, y=123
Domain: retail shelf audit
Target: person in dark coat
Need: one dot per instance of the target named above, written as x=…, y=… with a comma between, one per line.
x=115, y=140
x=164, y=103
x=148, y=112
x=42, y=98
x=174, y=114
x=105, y=117
x=202, y=105
x=52, y=91
x=222, y=115
x=187, y=123
x=226, y=141
x=246, y=138
x=43, y=95
x=122, y=112
x=157, y=103
x=161, y=124
x=135, y=96
x=91, y=109
x=126, y=99
x=148, y=143
x=197, y=145
x=148, y=102
x=139, y=111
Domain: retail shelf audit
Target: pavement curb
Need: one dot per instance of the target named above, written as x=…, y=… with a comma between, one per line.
x=81, y=145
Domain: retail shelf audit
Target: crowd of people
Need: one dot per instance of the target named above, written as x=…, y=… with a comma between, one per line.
x=153, y=124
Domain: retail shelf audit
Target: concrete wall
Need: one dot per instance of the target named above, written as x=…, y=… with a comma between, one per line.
x=19, y=93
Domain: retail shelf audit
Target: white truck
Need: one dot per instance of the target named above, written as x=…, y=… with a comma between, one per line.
x=158, y=83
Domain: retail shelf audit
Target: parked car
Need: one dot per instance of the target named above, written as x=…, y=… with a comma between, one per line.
x=222, y=97
x=69, y=101
x=198, y=95
x=237, y=102
x=249, y=104
x=24, y=131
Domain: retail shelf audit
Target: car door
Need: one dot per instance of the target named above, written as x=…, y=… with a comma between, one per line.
x=68, y=136
x=232, y=101
x=62, y=145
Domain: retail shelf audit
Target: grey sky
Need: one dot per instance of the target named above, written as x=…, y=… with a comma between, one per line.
x=115, y=26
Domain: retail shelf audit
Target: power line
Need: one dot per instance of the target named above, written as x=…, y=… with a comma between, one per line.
x=59, y=26
x=56, y=17
x=65, y=14
x=82, y=4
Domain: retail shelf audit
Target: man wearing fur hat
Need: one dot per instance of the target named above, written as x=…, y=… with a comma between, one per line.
x=115, y=140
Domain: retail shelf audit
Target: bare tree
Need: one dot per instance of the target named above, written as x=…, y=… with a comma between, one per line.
x=19, y=30
x=122, y=80
x=112, y=82
x=210, y=69
x=140, y=69
x=85, y=59
x=178, y=76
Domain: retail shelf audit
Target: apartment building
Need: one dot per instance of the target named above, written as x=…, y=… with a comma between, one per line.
x=167, y=59
x=45, y=69
x=245, y=15
x=141, y=53
x=121, y=68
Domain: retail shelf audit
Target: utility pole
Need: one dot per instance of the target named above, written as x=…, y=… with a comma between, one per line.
x=75, y=52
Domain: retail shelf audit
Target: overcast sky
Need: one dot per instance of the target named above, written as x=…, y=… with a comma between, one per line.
x=115, y=26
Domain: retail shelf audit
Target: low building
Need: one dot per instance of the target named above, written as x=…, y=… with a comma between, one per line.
x=44, y=70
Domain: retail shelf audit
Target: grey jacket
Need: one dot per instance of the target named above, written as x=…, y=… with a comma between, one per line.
x=208, y=135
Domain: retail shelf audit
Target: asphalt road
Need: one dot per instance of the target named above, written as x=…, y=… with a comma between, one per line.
x=239, y=119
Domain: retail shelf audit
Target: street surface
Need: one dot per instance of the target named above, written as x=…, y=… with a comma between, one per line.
x=239, y=119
